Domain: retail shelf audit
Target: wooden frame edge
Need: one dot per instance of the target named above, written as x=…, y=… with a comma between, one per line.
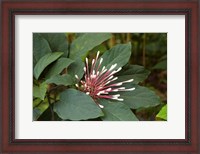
x=15, y=143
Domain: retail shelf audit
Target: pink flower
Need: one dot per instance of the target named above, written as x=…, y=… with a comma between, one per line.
x=98, y=83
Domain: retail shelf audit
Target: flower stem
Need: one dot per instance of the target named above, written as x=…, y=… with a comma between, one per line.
x=51, y=107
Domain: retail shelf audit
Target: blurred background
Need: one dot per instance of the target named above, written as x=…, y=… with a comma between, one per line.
x=148, y=50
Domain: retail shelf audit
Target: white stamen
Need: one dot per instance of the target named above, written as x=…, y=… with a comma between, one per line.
x=115, y=96
x=93, y=61
x=93, y=72
x=97, y=72
x=120, y=99
x=100, y=87
x=112, y=67
x=131, y=89
x=76, y=76
x=86, y=59
x=101, y=61
x=87, y=93
x=122, y=88
x=119, y=69
x=103, y=68
x=116, y=71
x=115, y=65
x=100, y=92
x=109, y=89
x=110, y=77
x=76, y=85
x=119, y=84
x=84, y=69
x=107, y=82
x=114, y=79
x=131, y=80
x=115, y=90
x=97, y=54
x=113, y=72
x=103, y=71
x=101, y=106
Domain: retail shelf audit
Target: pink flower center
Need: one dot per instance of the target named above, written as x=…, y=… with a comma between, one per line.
x=98, y=83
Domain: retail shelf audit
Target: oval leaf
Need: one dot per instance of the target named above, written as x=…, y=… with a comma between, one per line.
x=141, y=97
x=40, y=47
x=86, y=42
x=76, y=105
x=44, y=62
x=65, y=80
x=58, y=67
x=57, y=42
x=162, y=113
x=76, y=68
x=119, y=55
x=116, y=111
x=40, y=91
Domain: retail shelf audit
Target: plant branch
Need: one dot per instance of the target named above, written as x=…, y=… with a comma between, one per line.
x=51, y=107
x=38, y=104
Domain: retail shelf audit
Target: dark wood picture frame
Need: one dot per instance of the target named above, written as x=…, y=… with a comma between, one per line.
x=10, y=8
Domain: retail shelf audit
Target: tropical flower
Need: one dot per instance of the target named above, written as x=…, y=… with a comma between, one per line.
x=98, y=83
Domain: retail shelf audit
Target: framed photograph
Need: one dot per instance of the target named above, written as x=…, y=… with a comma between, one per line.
x=99, y=77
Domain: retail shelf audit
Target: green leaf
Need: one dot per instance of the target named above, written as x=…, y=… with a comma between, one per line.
x=58, y=67
x=119, y=55
x=86, y=42
x=76, y=68
x=36, y=102
x=116, y=111
x=44, y=62
x=40, y=91
x=161, y=65
x=136, y=72
x=141, y=97
x=65, y=80
x=162, y=113
x=40, y=47
x=37, y=111
x=76, y=105
x=57, y=42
